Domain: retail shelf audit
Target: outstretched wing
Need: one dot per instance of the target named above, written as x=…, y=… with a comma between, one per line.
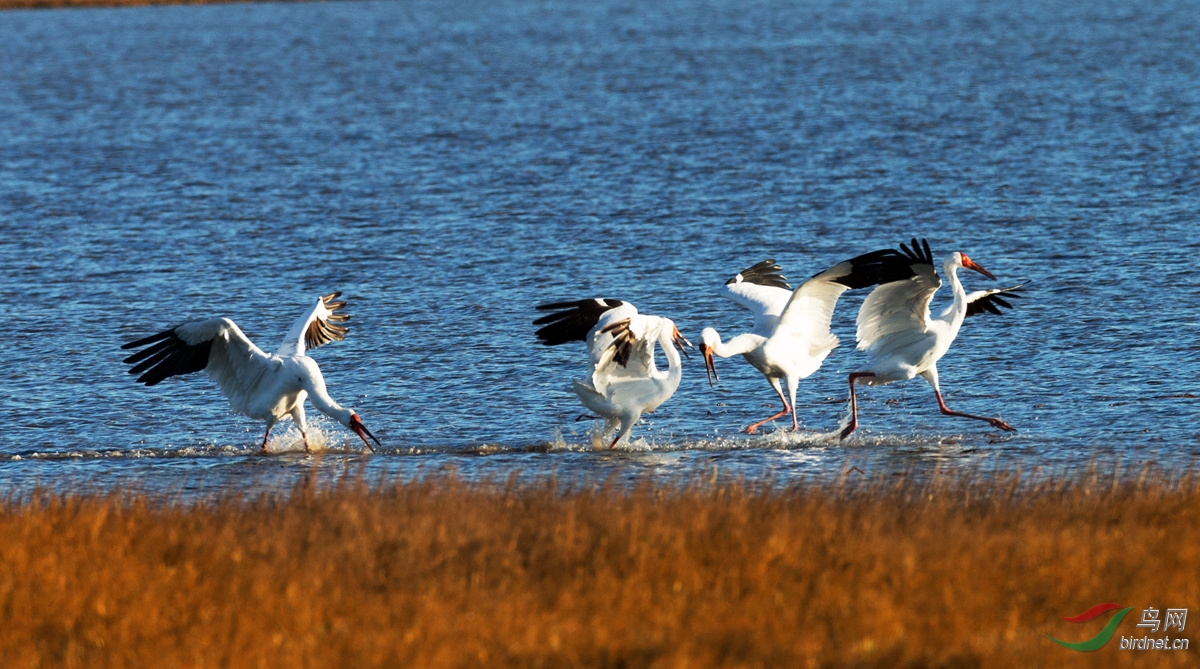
x=990, y=301
x=808, y=314
x=317, y=327
x=763, y=290
x=217, y=347
x=899, y=308
x=572, y=321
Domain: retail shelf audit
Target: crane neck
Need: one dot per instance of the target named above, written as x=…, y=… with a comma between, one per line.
x=674, y=362
x=314, y=385
x=958, y=309
x=739, y=345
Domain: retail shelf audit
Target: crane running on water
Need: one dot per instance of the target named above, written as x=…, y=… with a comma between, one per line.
x=263, y=386
x=624, y=381
x=791, y=335
x=895, y=326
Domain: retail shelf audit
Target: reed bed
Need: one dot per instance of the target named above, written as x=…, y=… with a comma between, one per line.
x=958, y=571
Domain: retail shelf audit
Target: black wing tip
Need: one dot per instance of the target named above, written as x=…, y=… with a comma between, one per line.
x=330, y=304
x=551, y=306
x=762, y=273
x=579, y=304
x=874, y=256
x=322, y=331
x=920, y=251
x=893, y=265
x=870, y=269
x=165, y=334
x=763, y=265
x=571, y=320
x=167, y=356
x=996, y=302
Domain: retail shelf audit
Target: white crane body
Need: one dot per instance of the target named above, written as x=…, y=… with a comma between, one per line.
x=259, y=385
x=896, y=329
x=791, y=336
x=623, y=380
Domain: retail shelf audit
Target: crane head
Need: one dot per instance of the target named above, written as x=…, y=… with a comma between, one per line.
x=709, y=337
x=710, y=368
x=361, y=430
x=680, y=341
x=971, y=264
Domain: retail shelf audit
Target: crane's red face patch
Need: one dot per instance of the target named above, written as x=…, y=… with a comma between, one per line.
x=971, y=264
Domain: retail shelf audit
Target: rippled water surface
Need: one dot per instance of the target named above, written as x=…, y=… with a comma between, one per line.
x=451, y=164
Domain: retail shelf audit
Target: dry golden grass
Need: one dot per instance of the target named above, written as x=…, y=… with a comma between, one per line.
x=966, y=572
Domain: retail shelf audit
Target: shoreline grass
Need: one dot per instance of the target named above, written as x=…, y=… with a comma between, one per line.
x=953, y=571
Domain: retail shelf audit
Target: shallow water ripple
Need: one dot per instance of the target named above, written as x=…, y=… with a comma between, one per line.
x=450, y=166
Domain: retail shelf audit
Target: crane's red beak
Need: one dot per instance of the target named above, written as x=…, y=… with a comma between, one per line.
x=971, y=264
x=362, y=432
x=680, y=342
x=710, y=368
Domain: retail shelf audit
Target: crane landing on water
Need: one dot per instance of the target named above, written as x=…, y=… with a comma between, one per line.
x=624, y=381
x=791, y=335
x=895, y=326
x=266, y=387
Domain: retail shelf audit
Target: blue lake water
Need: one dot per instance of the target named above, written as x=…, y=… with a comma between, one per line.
x=448, y=165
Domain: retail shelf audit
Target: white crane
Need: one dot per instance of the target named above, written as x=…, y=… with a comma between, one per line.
x=624, y=381
x=895, y=326
x=263, y=386
x=791, y=335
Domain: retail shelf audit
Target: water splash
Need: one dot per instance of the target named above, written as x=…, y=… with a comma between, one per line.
x=324, y=436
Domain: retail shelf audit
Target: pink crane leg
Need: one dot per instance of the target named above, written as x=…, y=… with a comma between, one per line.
x=265, y=437
x=751, y=429
x=854, y=376
x=994, y=422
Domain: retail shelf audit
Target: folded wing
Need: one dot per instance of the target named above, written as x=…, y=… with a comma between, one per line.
x=632, y=345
